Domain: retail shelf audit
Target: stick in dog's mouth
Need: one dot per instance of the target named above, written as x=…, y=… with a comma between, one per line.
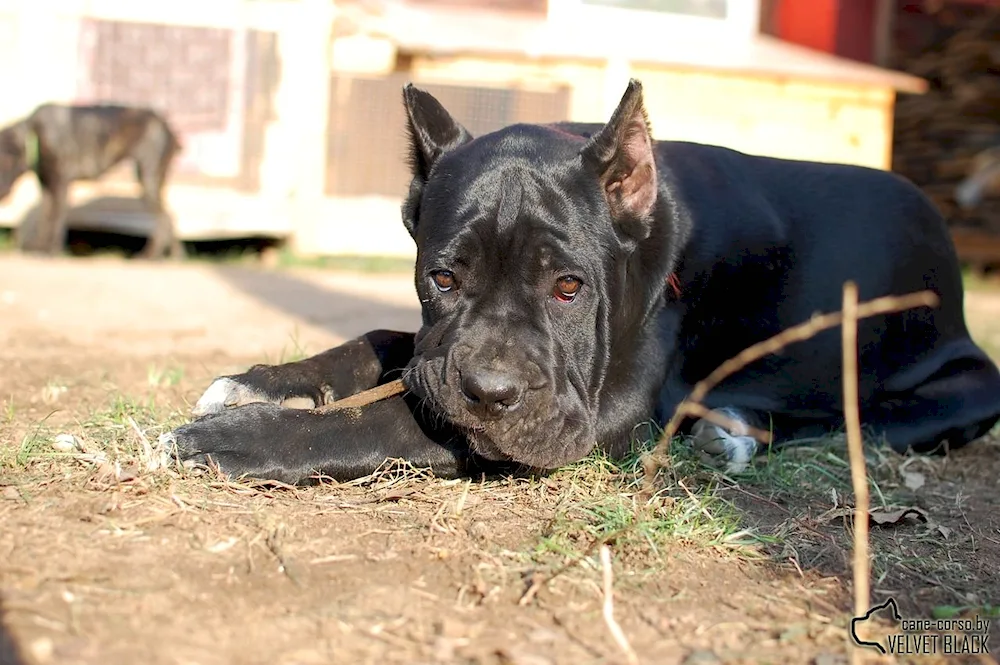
x=365, y=397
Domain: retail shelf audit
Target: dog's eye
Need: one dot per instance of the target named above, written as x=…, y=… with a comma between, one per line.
x=444, y=280
x=566, y=288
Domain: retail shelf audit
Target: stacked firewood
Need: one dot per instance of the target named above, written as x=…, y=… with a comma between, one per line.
x=956, y=48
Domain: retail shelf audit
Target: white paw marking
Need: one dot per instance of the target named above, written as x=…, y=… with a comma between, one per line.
x=737, y=447
x=214, y=398
x=225, y=394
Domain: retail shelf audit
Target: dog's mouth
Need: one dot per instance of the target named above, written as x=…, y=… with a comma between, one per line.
x=545, y=430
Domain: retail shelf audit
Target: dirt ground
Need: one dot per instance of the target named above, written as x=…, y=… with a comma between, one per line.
x=104, y=561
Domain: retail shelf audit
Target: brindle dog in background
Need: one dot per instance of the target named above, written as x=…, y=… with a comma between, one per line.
x=63, y=144
x=577, y=280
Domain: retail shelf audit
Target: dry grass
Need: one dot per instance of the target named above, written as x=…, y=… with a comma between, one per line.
x=533, y=546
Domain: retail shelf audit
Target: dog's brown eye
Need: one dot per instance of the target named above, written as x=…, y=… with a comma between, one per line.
x=444, y=280
x=566, y=288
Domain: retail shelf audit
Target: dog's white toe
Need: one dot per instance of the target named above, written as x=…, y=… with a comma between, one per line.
x=163, y=453
x=739, y=451
x=168, y=443
x=738, y=448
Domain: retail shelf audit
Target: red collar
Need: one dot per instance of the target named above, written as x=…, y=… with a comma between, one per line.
x=674, y=283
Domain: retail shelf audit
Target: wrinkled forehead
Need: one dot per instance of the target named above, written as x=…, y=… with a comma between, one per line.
x=508, y=214
x=513, y=196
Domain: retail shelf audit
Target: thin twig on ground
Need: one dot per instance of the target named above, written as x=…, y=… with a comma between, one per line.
x=608, y=609
x=365, y=397
x=538, y=581
x=856, y=454
x=654, y=460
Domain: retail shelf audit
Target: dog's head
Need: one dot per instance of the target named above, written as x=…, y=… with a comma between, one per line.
x=523, y=240
x=13, y=156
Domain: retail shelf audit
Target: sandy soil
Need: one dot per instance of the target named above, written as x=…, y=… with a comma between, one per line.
x=104, y=562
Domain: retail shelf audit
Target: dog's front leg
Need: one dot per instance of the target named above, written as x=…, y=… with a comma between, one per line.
x=374, y=358
x=294, y=446
x=49, y=234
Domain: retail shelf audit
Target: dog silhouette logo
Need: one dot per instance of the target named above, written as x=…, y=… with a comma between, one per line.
x=857, y=622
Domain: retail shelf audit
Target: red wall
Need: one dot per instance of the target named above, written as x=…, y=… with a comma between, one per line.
x=811, y=23
x=841, y=27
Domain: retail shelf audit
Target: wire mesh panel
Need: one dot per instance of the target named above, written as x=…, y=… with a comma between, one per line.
x=214, y=85
x=366, y=152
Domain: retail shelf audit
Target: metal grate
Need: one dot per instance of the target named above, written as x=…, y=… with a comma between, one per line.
x=179, y=70
x=214, y=85
x=367, y=148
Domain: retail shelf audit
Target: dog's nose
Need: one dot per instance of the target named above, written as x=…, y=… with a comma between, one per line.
x=494, y=391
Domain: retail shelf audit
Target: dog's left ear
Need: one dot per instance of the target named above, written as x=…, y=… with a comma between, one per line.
x=621, y=154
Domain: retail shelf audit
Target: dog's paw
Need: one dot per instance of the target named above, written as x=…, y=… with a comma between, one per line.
x=228, y=439
x=735, y=448
x=258, y=440
x=230, y=392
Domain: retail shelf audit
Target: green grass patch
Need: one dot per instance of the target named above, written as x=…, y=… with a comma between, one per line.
x=605, y=500
x=284, y=257
x=975, y=281
x=368, y=264
x=32, y=444
x=694, y=502
x=114, y=434
x=813, y=470
x=115, y=430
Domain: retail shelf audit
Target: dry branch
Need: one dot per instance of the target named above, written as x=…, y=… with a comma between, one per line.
x=799, y=333
x=856, y=453
x=365, y=397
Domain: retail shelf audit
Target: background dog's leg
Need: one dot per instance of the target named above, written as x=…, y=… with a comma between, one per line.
x=163, y=239
x=60, y=204
x=735, y=447
x=362, y=363
x=50, y=231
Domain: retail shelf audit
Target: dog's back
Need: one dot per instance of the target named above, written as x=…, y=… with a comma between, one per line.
x=88, y=140
x=772, y=243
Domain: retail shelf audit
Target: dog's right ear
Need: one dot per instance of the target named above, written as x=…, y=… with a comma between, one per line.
x=431, y=129
x=622, y=156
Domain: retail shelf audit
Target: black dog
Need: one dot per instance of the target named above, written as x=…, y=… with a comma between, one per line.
x=63, y=144
x=577, y=280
